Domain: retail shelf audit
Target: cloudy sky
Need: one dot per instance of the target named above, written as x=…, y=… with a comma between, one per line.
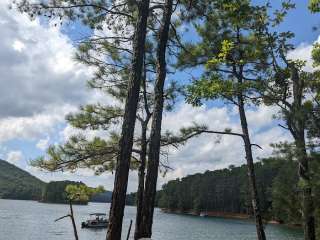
x=41, y=83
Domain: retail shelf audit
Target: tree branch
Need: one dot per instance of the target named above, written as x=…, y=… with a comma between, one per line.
x=58, y=219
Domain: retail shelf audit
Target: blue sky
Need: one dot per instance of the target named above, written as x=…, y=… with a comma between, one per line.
x=41, y=83
x=300, y=21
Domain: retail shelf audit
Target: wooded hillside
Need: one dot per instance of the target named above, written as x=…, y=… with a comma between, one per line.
x=18, y=184
x=226, y=191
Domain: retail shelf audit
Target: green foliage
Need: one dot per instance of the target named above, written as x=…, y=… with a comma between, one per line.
x=226, y=190
x=209, y=89
x=81, y=192
x=185, y=133
x=223, y=190
x=315, y=174
x=54, y=192
x=295, y=91
x=316, y=54
x=18, y=184
x=90, y=13
x=286, y=202
x=131, y=199
x=96, y=117
x=226, y=49
x=314, y=6
x=104, y=197
x=79, y=152
x=233, y=49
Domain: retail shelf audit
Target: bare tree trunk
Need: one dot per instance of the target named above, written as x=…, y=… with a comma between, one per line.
x=73, y=221
x=126, y=140
x=155, y=134
x=250, y=167
x=140, y=191
x=129, y=230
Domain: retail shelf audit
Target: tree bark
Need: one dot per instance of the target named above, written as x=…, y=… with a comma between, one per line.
x=250, y=169
x=155, y=134
x=140, y=191
x=73, y=221
x=296, y=124
x=307, y=200
x=126, y=140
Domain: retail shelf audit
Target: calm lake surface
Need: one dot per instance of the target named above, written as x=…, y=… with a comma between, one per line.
x=29, y=220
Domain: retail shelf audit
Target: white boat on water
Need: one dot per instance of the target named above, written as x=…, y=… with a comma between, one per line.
x=97, y=220
x=203, y=214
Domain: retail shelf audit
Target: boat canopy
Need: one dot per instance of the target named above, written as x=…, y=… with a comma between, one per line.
x=97, y=214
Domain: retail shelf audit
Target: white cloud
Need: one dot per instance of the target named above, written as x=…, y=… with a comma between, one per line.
x=37, y=67
x=34, y=127
x=185, y=115
x=18, y=45
x=262, y=116
x=204, y=153
x=14, y=157
x=84, y=175
x=70, y=131
x=43, y=144
x=40, y=81
x=40, y=84
x=303, y=52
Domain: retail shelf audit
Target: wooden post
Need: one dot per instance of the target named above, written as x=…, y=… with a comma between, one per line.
x=73, y=221
x=129, y=230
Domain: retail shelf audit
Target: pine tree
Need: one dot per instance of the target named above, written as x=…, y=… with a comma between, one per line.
x=232, y=51
x=93, y=14
x=145, y=227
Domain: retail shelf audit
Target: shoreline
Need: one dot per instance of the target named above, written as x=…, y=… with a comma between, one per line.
x=239, y=216
x=208, y=214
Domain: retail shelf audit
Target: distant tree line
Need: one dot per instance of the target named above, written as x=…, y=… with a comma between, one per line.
x=54, y=192
x=226, y=190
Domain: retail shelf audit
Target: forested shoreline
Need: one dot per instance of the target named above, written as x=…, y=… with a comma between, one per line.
x=225, y=191
x=16, y=183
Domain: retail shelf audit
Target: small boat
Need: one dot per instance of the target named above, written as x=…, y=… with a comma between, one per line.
x=97, y=220
x=203, y=214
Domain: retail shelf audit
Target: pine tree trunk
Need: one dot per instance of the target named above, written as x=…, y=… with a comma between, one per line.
x=307, y=201
x=140, y=191
x=251, y=174
x=296, y=123
x=155, y=134
x=126, y=140
x=308, y=215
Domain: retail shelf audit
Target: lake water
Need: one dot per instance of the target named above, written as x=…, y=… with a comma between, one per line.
x=29, y=220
